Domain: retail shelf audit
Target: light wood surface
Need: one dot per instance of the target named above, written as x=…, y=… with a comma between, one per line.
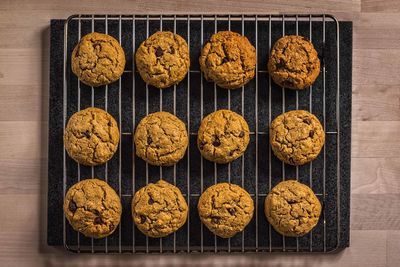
x=24, y=74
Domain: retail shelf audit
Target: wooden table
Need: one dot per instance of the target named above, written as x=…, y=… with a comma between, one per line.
x=24, y=78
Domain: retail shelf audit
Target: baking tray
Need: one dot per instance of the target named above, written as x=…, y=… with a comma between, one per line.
x=130, y=99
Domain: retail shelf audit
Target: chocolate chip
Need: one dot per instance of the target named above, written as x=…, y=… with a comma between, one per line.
x=87, y=133
x=149, y=140
x=142, y=219
x=72, y=206
x=216, y=142
x=215, y=220
x=280, y=65
x=288, y=84
x=159, y=52
x=241, y=134
x=109, y=123
x=98, y=220
x=305, y=39
x=172, y=50
x=201, y=145
x=224, y=60
x=232, y=152
x=311, y=133
x=307, y=121
x=231, y=211
x=151, y=201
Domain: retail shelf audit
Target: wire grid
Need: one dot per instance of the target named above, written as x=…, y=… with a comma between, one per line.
x=259, y=102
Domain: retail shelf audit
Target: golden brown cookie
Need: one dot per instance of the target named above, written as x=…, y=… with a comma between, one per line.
x=223, y=136
x=225, y=209
x=292, y=208
x=161, y=139
x=159, y=209
x=93, y=208
x=296, y=137
x=163, y=59
x=228, y=59
x=293, y=62
x=98, y=59
x=91, y=136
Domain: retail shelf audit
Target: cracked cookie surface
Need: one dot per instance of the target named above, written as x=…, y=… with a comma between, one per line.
x=91, y=136
x=159, y=209
x=223, y=136
x=98, y=59
x=225, y=209
x=293, y=62
x=161, y=139
x=93, y=208
x=163, y=59
x=296, y=137
x=228, y=59
x=292, y=208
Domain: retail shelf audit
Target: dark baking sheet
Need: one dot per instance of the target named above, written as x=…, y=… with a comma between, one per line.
x=307, y=243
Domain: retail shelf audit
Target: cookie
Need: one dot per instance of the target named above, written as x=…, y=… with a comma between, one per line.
x=159, y=209
x=225, y=209
x=223, y=136
x=228, y=59
x=296, y=137
x=98, y=59
x=93, y=208
x=294, y=62
x=91, y=136
x=292, y=208
x=163, y=59
x=161, y=139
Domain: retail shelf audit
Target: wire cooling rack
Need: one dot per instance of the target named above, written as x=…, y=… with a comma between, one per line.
x=130, y=99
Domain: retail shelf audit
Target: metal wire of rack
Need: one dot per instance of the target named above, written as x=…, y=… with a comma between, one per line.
x=258, y=101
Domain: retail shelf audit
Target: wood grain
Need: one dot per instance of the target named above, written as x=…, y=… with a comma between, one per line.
x=375, y=175
x=375, y=211
x=375, y=139
x=377, y=31
x=392, y=246
x=24, y=69
x=376, y=102
x=188, y=6
x=368, y=66
x=380, y=6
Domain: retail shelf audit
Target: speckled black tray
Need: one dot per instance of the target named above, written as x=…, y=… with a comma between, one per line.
x=127, y=238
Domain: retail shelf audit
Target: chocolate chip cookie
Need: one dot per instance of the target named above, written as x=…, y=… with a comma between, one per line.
x=225, y=209
x=161, y=139
x=228, y=59
x=292, y=208
x=296, y=137
x=159, y=209
x=294, y=62
x=98, y=59
x=93, y=208
x=223, y=136
x=91, y=136
x=163, y=59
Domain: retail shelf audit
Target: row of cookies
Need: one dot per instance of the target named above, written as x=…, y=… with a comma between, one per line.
x=228, y=59
x=94, y=209
x=92, y=137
